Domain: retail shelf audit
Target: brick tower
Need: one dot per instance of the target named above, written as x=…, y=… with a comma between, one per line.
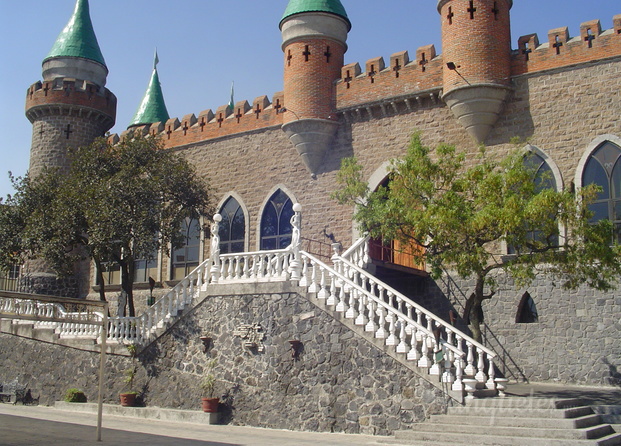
x=314, y=35
x=476, y=47
x=69, y=108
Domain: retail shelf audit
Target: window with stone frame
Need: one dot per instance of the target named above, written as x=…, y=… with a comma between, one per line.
x=185, y=258
x=276, y=222
x=603, y=168
x=527, y=310
x=232, y=227
x=543, y=179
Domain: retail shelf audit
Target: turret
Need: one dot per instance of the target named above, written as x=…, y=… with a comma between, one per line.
x=314, y=35
x=152, y=108
x=476, y=47
x=69, y=108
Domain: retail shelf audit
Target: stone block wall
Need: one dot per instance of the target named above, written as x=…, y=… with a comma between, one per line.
x=339, y=383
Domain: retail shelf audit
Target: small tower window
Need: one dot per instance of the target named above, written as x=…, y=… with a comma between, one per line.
x=527, y=311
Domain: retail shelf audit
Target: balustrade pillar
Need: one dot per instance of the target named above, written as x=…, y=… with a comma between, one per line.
x=215, y=248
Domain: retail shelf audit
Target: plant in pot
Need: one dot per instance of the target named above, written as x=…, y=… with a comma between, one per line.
x=128, y=399
x=208, y=384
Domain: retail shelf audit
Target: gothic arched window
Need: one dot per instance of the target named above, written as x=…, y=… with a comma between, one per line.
x=543, y=177
x=232, y=227
x=186, y=257
x=276, y=221
x=603, y=168
x=527, y=311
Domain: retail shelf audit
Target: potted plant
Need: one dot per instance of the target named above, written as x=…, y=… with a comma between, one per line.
x=128, y=399
x=208, y=384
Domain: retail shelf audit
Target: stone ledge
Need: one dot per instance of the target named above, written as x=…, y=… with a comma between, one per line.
x=150, y=413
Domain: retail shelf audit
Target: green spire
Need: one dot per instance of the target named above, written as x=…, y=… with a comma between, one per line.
x=78, y=38
x=329, y=6
x=152, y=109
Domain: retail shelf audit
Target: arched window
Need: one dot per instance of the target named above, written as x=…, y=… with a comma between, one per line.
x=527, y=311
x=276, y=221
x=186, y=257
x=603, y=168
x=232, y=227
x=543, y=177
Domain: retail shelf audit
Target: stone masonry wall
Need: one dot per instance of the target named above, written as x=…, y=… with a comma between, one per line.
x=575, y=340
x=340, y=383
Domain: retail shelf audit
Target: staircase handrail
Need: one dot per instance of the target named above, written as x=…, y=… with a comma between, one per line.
x=448, y=327
x=379, y=301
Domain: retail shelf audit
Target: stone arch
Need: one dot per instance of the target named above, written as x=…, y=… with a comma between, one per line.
x=266, y=204
x=244, y=209
x=527, y=310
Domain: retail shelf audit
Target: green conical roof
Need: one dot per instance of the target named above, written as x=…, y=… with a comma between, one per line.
x=78, y=38
x=152, y=109
x=329, y=6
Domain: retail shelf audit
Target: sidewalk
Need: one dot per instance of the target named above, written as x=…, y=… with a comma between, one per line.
x=37, y=425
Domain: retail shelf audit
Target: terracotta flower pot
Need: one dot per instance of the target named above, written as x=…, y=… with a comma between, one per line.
x=128, y=399
x=210, y=404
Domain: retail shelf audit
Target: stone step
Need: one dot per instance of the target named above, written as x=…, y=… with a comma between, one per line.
x=525, y=403
x=525, y=432
x=438, y=438
x=535, y=423
x=573, y=412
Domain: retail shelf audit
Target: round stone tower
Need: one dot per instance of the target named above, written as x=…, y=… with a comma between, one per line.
x=476, y=47
x=69, y=108
x=314, y=35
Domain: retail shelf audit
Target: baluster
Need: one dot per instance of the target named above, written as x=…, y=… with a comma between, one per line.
x=313, y=285
x=199, y=276
x=402, y=347
x=353, y=297
x=304, y=279
x=238, y=267
x=223, y=269
x=366, y=259
x=341, y=306
x=184, y=294
x=332, y=300
x=255, y=264
x=286, y=266
x=435, y=368
x=414, y=354
x=231, y=272
x=381, y=330
x=430, y=339
x=480, y=376
x=371, y=325
x=408, y=312
x=470, y=369
x=322, y=294
x=392, y=337
x=423, y=361
x=449, y=359
x=362, y=318
x=491, y=373
x=458, y=383
x=247, y=273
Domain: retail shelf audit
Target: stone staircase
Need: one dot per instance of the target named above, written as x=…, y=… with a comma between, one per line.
x=514, y=421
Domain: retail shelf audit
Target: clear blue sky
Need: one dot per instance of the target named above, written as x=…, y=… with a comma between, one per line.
x=203, y=45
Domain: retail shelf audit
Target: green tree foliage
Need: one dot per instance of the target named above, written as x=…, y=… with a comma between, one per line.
x=115, y=203
x=461, y=211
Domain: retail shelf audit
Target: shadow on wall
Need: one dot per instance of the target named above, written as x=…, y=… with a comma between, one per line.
x=446, y=295
x=615, y=375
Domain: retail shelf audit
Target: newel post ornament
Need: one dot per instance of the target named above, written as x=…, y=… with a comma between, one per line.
x=215, y=248
x=295, y=267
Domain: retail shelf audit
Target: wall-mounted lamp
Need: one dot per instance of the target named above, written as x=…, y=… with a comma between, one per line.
x=285, y=109
x=451, y=66
x=207, y=341
x=296, y=348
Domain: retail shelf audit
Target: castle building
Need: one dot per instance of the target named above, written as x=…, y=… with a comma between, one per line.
x=560, y=95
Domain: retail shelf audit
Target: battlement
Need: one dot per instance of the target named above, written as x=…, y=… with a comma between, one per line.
x=378, y=82
x=562, y=50
x=70, y=93
x=209, y=125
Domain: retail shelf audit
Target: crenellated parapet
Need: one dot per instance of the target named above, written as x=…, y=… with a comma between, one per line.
x=191, y=129
x=560, y=49
x=380, y=82
x=71, y=96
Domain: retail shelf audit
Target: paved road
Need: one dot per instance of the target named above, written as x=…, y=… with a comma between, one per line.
x=38, y=426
